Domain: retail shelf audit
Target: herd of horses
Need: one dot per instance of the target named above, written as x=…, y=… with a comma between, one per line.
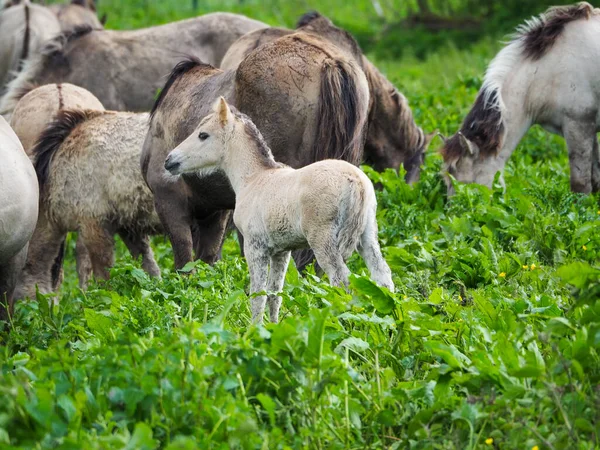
x=269, y=122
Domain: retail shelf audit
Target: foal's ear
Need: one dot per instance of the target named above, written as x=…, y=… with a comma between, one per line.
x=222, y=109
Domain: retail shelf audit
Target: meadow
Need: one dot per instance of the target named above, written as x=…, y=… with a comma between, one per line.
x=491, y=340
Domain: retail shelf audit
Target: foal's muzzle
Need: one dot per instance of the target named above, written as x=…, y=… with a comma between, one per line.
x=172, y=166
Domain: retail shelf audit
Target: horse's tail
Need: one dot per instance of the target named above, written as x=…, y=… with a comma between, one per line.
x=353, y=214
x=342, y=112
x=52, y=138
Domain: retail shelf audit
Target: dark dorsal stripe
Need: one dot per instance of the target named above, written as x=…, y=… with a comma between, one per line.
x=61, y=103
x=183, y=67
x=538, y=40
x=52, y=138
x=482, y=126
x=26, y=38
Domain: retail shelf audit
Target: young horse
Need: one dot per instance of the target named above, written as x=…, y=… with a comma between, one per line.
x=328, y=206
x=393, y=138
x=87, y=163
x=125, y=69
x=77, y=13
x=33, y=113
x=18, y=213
x=548, y=75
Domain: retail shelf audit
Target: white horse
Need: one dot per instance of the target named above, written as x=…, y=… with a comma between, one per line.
x=549, y=74
x=18, y=212
x=328, y=206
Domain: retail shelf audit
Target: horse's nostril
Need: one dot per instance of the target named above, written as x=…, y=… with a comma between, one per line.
x=170, y=165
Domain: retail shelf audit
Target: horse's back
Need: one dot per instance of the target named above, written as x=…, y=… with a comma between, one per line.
x=249, y=42
x=18, y=194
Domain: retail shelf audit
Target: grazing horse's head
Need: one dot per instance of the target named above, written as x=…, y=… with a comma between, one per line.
x=393, y=137
x=471, y=155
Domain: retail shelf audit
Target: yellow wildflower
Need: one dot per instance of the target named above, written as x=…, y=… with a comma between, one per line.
x=584, y=247
x=416, y=238
x=535, y=447
x=460, y=297
x=405, y=297
x=525, y=267
x=502, y=274
x=489, y=441
x=533, y=267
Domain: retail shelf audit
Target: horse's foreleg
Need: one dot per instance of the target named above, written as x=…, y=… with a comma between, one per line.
x=100, y=243
x=140, y=245
x=370, y=251
x=209, y=234
x=580, y=137
x=9, y=274
x=82, y=262
x=258, y=266
x=596, y=166
x=279, y=264
x=173, y=211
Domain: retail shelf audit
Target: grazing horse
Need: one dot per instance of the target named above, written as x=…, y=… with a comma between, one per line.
x=125, y=69
x=393, y=138
x=549, y=74
x=33, y=113
x=310, y=100
x=18, y=213
x=329, y=206
x=87, y=163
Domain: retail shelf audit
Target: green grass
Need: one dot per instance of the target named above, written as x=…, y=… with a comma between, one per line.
x=492, y=336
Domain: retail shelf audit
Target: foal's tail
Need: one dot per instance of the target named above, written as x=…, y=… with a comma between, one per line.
x=342, y=112
x=354, y=214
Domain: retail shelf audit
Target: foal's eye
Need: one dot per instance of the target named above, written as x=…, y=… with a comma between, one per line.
x=203, y=136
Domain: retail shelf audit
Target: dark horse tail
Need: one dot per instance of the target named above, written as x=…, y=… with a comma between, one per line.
x=44, y=151
x=342, y=112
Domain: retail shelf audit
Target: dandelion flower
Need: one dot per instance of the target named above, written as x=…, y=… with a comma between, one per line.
x=502, y=274
x=489, y=441
x=533, y=267
x=584, y=248
x=535, y=447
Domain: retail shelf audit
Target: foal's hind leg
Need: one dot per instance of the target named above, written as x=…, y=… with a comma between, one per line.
x=279, y=264
x=323, y=243
x=100, y=243
x=140, y=245
x=368, y=248
x=83, y=262
x=9, y=274
x=258, y=266
x=580, y=137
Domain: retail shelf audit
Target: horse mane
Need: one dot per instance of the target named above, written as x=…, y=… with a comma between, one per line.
x=33, y=66
x=53, y=137
x=182, y=67
x=255, y=135
x=307, y=18
x=539, y=34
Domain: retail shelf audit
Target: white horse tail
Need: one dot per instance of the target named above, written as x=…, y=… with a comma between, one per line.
x=353, y=215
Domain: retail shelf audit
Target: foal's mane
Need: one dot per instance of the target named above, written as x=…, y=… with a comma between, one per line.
x=183, y=67
x=52, y=138
x=255, y=136
x=538, y=35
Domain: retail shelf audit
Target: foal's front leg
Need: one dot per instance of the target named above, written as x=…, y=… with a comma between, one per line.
x=580, y=137
x=279, y=264
x=258, y=262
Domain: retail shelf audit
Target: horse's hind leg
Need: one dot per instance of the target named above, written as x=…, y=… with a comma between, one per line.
x=279, y=264
x=596, y=166
x=580, y=137
x=329, y=256
x=100, y=243
x=209, y=234
x=140, y=245
x=44, y=260
x=258, y=266
x=9, y=274
x=369, y=249
x=83, y=262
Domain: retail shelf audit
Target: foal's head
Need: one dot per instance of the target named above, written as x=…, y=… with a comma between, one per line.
x=207, y=148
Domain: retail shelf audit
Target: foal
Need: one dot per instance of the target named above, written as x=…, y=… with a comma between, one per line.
x=328, y=206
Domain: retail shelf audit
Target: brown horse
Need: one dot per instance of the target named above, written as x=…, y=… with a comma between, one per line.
x=307, y=96
x=125, y=69
x=393, y=137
